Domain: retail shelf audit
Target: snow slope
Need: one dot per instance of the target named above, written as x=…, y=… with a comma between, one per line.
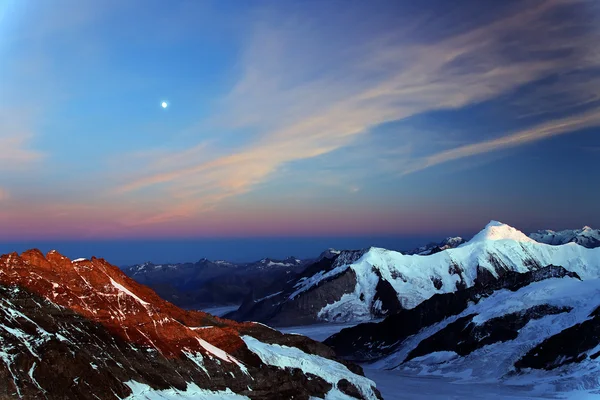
x=433, y=387
x=192, y=392
x=496, y=361
x=292, y=357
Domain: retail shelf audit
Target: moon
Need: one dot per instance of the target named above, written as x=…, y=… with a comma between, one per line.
x=164, y=104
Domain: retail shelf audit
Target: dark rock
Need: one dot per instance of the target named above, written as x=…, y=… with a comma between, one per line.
x=386, y=297
x=463, y=336
x=285, y=308
x=348, y=388
x=369, y=341
x=569, y=346
x=206, y=283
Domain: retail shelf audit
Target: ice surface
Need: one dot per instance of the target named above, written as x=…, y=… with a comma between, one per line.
x=292, y=357
x=317, y=332
x=145, y=392
x=395, y=385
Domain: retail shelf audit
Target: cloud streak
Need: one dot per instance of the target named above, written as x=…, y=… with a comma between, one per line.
x=15, y=141
x=540, y=132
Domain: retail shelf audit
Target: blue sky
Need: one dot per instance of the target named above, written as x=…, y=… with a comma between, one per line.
x=296, y=119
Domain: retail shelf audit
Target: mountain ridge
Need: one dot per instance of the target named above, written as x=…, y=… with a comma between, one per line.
x=69, y=326
x=363, y=285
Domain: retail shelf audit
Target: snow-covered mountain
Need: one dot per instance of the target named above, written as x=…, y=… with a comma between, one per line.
x=432, y=248
x=534, y=329
x=206, y=283
x=83, y=329
x=359, y=286
x=586, y=237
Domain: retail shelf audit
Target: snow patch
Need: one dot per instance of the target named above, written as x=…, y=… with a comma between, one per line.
x=292, y=357
x=217, y=352
x=123, y=289
x=268, y=297
x=141, y=391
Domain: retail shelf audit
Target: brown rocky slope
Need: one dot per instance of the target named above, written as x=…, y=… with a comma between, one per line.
x=82, y=329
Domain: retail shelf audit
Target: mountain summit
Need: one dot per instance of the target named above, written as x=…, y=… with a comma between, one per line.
x=498, y=231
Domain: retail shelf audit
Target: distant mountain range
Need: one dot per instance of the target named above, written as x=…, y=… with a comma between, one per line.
x=207, y=283
x=586, y=237
x=82, y=329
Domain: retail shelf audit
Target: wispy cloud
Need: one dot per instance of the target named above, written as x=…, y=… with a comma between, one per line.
x=305, y=110
x=15, y=140
x=539, y=132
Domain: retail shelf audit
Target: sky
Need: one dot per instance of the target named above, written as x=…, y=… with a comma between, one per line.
x=336, y=119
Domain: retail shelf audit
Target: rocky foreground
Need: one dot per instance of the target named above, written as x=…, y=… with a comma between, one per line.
x=82, y=329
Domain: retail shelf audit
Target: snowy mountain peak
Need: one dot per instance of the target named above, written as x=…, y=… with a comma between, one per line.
x=496, y=230
x=586, y=236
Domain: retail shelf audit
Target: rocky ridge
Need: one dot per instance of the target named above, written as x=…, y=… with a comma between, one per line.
x=83, y=329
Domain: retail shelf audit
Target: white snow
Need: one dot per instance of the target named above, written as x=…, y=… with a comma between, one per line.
x=123, y=289
x=141, y=391
x=292, y=357
x=79, y=260
x=197, y=359
x=495, y=363
x=268, y=297
x=278, y=264
x=217, y=352
x=498, y=231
